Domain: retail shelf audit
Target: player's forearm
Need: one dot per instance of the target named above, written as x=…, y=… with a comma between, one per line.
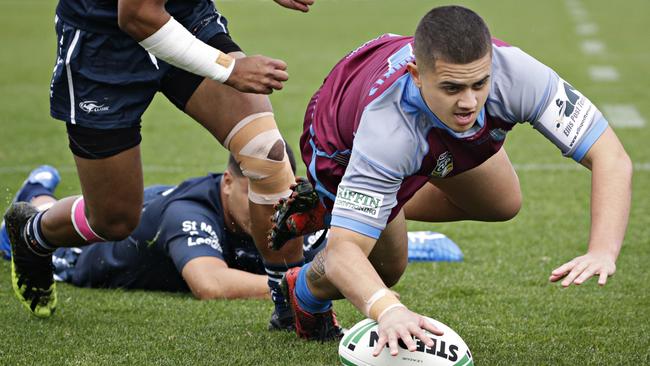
x=141, y=18
x=349, y=269
x=611, y=194
x=231, y=283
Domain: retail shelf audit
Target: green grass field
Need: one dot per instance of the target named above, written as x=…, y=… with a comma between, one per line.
x=498, y=300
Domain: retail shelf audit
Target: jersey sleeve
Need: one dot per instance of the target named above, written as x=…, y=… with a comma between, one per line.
x=525, y=90
x=384, y=152
x=190, y=231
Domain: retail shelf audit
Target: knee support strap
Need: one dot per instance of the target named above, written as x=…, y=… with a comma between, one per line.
x=255, y=143
x=81, y=224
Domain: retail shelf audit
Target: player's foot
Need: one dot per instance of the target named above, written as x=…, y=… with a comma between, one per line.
x=300, y=214
x=282, y=321
x=42, y=180
x=312, y=326
x=31, y=274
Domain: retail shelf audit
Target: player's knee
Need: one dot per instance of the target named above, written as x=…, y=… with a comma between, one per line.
x=257, y=145
x=391, y=275
x=115, y=226
x=508, y=208
x=392, y=279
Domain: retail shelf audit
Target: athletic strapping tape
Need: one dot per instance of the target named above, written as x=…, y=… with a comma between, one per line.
x=175, y=45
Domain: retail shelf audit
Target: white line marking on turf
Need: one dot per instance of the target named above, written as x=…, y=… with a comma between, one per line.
x=623, y=115
x=592, y=47
x=578, y=13
x=603, y=73
x=586, y=29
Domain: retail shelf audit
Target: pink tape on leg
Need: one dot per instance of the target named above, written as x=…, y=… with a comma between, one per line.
x=80, y=222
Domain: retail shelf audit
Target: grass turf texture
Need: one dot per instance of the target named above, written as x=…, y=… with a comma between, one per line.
x=498, y=300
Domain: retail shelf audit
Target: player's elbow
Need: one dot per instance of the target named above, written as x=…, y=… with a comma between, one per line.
x=127, y=18
x=625, y=164
x=140, y=19
x=207, y=293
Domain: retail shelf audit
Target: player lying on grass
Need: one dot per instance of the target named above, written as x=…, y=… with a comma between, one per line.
x=112, y=58
x=426, y=117
x=191, y=237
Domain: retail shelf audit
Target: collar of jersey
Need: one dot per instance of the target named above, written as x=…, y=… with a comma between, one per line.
x=412, y=97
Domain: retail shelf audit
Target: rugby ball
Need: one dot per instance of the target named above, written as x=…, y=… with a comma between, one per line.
x=356, y=346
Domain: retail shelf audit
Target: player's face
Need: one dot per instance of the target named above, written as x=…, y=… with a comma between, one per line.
x=455, y=93
x=237, y=197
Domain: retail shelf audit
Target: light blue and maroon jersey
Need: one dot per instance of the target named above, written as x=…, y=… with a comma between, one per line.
x=370, y=141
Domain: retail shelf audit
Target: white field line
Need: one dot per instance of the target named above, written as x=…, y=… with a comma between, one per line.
x=592, y=47
x=586, y=29
x=623, y=115
x=603, y=73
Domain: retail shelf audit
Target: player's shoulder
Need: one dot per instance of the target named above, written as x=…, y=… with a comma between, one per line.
x=390, y=136
x=519, y=82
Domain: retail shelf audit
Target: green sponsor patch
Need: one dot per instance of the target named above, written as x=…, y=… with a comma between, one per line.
x=365, y=203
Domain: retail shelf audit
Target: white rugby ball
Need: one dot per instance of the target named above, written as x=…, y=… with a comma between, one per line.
x=356, y=346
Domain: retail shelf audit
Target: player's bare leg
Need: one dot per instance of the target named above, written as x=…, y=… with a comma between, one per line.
x=109, y=209
x=112, y=190
x=489, y=192
x=220, y=108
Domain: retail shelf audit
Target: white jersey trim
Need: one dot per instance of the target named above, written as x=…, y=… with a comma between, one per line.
x=68, y=56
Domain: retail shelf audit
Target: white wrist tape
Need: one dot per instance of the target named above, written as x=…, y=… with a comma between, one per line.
x=381, y=301
x=175, y=45
x=373, y=299
x=391, y=307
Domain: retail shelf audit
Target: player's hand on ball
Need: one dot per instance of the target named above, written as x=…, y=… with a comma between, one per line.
x=258, y=74
x=582, y=268
x=401, y=323
x=302, y=5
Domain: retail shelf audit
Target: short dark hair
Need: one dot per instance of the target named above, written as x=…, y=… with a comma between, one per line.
x=453, y=34
x=233, y=165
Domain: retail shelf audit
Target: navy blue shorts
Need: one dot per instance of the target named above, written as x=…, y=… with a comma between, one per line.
x=107, y=81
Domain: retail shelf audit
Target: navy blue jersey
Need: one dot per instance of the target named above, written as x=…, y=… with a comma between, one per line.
x=100, y=16
x=177, y=225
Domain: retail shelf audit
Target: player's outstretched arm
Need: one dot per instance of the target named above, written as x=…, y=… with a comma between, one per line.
x=302, y=5
x=148, y=22
x=611, y=193
x=348, y=268
x=210, y=278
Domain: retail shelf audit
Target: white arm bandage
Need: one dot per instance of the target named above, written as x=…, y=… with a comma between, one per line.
x=175, y=45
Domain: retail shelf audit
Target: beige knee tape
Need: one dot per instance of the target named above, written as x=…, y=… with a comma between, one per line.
x=250, y=142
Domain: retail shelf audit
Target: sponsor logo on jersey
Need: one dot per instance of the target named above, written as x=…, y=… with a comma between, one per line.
x=196, y=238
x=365, y=203
x=567, y=118
x=92, y=106
x=569, y=109
x=444, y=165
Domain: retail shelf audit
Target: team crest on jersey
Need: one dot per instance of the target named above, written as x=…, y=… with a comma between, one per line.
x=444, y=165
x=365, y=203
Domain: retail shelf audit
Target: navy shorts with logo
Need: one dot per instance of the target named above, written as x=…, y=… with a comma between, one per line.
x=107, y=81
